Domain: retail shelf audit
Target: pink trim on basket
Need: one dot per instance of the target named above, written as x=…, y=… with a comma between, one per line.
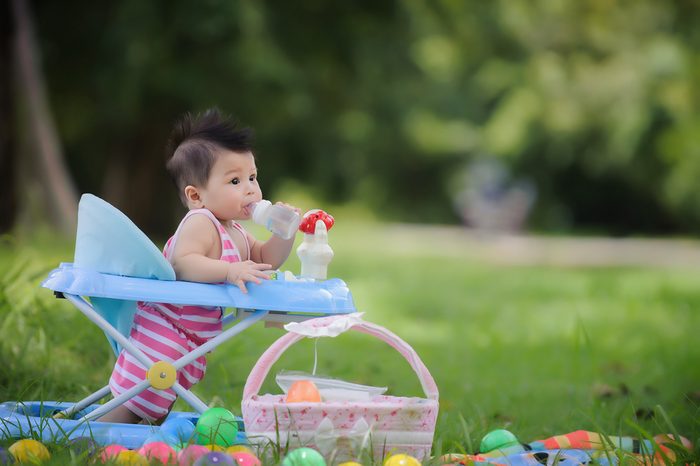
x=272, y=354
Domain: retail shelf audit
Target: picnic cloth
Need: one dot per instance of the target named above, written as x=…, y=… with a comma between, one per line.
x=580, y=448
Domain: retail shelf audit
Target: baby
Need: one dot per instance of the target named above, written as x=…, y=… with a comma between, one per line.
x=213, y=167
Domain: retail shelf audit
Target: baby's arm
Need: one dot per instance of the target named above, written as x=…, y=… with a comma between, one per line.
x=274, y=251
x=192, y=258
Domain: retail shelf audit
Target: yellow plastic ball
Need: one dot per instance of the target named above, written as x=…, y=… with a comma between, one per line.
x=130, y=458
x=350, y=463
x=29, y=451
x=401, y=460
x=238, y=449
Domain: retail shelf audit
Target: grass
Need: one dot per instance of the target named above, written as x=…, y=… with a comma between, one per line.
x=538, y=350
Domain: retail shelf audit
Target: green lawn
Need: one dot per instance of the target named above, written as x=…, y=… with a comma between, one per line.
x=537, y=350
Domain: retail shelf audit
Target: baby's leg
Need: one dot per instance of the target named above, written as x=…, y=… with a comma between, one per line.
x=120, y=414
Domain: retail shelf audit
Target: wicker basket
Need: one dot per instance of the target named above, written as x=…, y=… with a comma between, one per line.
x=343, y=429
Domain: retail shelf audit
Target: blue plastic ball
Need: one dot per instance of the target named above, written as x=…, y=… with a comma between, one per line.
x=177, y=428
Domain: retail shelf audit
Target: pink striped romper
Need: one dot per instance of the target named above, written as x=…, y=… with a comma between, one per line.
x=166, y=332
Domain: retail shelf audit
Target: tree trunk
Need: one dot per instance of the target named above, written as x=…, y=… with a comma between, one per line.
x=61, y=197
x=8, y=157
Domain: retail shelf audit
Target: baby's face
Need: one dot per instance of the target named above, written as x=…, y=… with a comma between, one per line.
x=232, y=187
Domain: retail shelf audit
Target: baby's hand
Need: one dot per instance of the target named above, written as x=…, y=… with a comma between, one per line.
x=248, y=271
x=289, y=206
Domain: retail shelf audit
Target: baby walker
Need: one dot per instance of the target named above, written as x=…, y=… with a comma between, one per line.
x=115, y=266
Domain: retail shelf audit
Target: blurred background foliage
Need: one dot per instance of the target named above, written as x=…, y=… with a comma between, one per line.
x=592, y=107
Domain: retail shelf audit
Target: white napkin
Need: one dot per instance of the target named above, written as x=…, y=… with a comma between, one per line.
x=326, y=326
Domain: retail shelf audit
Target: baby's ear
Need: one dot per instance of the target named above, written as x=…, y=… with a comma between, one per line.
x=193, y=197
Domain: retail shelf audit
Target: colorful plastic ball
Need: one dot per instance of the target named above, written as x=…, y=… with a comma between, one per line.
x=245, y=459
x=238, y=448
x=188, y=455
x=401, y=460
x=111, y=451
x=160, y=451
x=154, y=438
x=6, y=457
x=303, y=457
x=215, y=458
x=497, y=440
x=217, y=426
x=178, y=428
x=303, y=391
x=130, y=458
x=350, y=463
x=29, y=451
x=176, y=446
x=83, y=446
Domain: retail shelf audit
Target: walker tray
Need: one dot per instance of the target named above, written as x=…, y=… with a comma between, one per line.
x=286, y=296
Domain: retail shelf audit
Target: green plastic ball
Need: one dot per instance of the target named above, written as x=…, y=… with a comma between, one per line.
x=304, y=457
x=497, y=440
x=217, y=426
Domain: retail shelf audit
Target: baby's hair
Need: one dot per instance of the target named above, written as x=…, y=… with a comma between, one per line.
x=194, y=142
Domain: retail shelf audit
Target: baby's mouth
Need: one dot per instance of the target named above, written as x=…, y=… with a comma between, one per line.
x=248, y=209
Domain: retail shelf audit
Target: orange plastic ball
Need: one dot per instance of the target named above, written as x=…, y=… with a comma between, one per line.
x=303, y=391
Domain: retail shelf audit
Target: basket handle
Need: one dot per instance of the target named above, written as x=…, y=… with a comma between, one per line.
x=272, y=354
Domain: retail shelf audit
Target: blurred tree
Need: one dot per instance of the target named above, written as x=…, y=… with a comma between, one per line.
x=47, y=168
x=8, y=178
x=388, y=103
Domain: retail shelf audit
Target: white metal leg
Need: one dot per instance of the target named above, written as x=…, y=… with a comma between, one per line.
x=216, y=341
x=230, y=317
x=117, y=401
x=190, y=398
x=87, y=401
x=91, y=314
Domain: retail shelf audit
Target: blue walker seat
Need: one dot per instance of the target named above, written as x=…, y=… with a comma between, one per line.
x=107, y=241
x=115, y=266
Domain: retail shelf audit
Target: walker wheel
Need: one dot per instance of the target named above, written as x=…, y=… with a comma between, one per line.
x=161, y=375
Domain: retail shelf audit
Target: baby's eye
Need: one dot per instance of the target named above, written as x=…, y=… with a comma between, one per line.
x=252, y=177
x=235, y=181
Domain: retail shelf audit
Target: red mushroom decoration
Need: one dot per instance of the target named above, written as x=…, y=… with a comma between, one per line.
x=308, y=222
